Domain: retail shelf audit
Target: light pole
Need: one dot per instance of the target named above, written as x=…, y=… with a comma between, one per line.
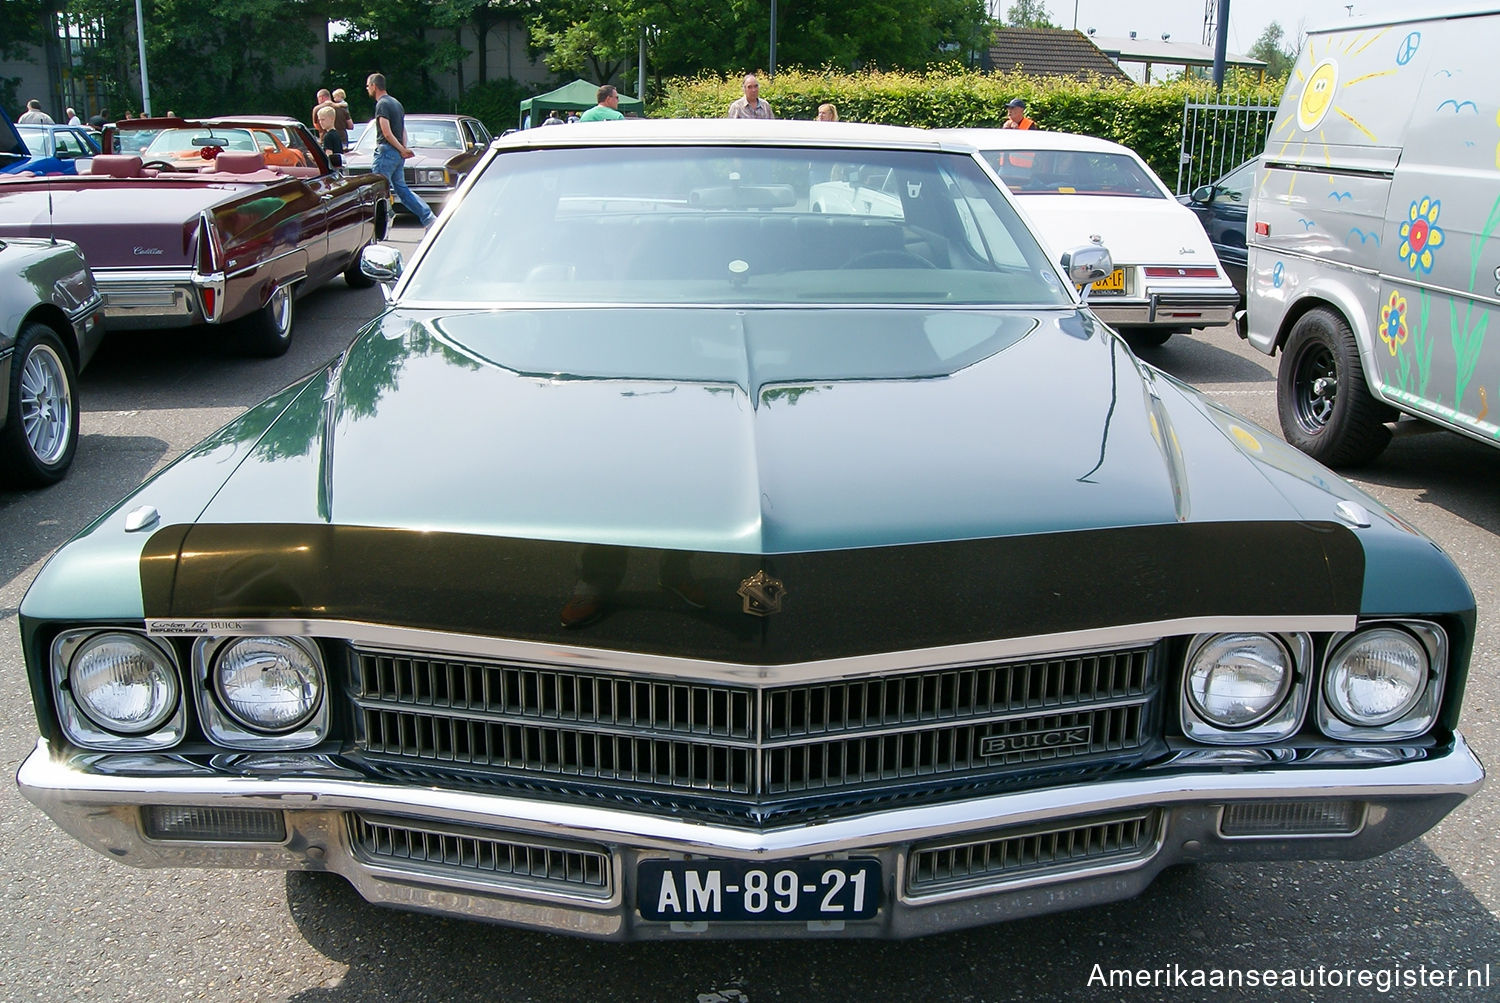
x=140, y=37
x=770, y=70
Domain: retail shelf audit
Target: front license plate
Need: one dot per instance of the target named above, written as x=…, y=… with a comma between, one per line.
x=690, y=891
x=1113, y=283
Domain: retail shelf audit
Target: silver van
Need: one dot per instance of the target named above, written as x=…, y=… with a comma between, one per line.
x=1374, y=260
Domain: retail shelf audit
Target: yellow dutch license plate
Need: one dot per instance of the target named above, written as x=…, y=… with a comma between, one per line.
x=1113, y=283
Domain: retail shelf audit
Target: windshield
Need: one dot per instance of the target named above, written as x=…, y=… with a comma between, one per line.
x=1074, y=172
x=673, y=225
x=171, y=140
x=420, y=133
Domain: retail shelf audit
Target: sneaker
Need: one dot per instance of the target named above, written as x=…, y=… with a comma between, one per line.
x=583, y=607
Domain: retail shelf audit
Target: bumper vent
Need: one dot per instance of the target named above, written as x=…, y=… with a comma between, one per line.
x=1014, y=855
x=499, y=858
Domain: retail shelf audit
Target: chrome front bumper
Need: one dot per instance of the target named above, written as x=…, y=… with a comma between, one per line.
x=1397, y=802
x=1176, y=309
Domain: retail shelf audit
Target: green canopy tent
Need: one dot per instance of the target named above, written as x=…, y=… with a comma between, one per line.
x=580, y=95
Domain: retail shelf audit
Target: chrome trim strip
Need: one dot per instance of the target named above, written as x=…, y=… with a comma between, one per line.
x=107, y=278
x=65, y=787
x=751, y=743
x=472, y=305
x=601, y=659
x=263, y=262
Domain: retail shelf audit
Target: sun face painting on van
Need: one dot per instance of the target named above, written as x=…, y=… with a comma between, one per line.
x=1353, y=272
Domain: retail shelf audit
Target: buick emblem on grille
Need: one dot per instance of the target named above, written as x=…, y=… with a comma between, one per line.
x=1053, y=738
x=762, y=594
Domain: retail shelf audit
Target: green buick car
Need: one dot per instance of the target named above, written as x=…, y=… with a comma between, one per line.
x=671, y=561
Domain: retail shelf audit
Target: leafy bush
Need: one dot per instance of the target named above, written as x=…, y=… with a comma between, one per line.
x=496, y=103
x=1148, y=119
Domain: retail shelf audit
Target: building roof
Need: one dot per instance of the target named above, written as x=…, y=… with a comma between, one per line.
x=1164, y=52
x=1050, y=52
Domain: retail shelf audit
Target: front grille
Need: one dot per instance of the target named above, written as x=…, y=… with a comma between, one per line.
x=749, y=745
x=1012, y=855
x=502, y=858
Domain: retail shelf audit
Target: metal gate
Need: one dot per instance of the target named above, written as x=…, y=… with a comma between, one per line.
x=1217, y=138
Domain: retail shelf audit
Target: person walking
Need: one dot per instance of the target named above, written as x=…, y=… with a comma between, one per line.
x=608, y=108
x=750, y=106
x=331, y=137
x=391, y=150
x=1015, y=116
x=827, y=113
x=73, y=118
x=33, y=115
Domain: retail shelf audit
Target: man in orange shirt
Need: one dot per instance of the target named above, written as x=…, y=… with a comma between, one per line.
x=1016, y=116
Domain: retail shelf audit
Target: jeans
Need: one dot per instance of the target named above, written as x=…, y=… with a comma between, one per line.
x=388, y=162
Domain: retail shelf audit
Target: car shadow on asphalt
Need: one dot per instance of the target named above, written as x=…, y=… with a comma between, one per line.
x=188, y=366
x=1451, y=471
x=105, y=467
x=1402, y=910
x=1199, y=358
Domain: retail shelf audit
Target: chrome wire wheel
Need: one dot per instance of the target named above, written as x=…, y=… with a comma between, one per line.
x=46, y=404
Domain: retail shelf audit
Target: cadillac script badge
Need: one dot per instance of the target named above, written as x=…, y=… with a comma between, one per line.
x=762, y=594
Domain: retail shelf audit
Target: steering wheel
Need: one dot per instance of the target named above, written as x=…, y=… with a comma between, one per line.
x=888, y=259
x=159, y=165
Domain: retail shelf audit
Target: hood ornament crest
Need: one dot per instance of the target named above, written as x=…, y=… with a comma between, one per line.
x=762, y=594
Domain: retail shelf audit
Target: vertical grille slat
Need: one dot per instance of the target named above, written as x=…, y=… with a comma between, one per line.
x=731, y=740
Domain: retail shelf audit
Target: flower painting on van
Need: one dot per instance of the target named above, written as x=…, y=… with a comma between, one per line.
x=1420, y=234
x=1393, y=322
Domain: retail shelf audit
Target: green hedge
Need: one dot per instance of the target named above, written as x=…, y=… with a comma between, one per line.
x=1148, y=118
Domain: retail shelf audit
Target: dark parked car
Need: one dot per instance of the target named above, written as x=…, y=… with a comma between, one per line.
x=49, y=329
x=446, y=146
x=820, y=575
x=1221, y=208
x=173, y=244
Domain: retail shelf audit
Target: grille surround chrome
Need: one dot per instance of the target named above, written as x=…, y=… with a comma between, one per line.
x=753, y=744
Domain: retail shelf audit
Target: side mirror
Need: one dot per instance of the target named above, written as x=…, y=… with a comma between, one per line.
x=1203, y=194
x=383, y=264
x=1087, y=264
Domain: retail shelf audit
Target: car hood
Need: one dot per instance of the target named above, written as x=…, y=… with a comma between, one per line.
x=1136, y=230
x=742, y=431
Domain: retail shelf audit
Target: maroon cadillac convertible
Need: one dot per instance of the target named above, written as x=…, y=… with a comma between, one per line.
x=174, y=242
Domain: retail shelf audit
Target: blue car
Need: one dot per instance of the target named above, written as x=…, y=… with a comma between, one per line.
x=17, y=154
x=65, y=142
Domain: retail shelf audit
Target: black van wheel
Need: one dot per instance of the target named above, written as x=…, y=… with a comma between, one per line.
x=1325, y=407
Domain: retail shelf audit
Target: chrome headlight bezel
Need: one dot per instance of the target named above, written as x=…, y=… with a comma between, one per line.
x=1284, y=718
x=430, y=176
x=85, y=732
x=1419, y=717
x=223, y=728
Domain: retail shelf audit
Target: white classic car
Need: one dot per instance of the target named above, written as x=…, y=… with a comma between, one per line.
x=1079, y=189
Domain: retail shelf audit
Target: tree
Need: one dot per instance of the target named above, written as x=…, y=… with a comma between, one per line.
x=1269, y=49
x=1029, y=14
x=598, y=40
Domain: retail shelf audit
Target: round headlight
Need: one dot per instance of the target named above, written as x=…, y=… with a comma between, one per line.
x=123, y=683
x=1375, y=677
x=268, y=683
x=1236, y=680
